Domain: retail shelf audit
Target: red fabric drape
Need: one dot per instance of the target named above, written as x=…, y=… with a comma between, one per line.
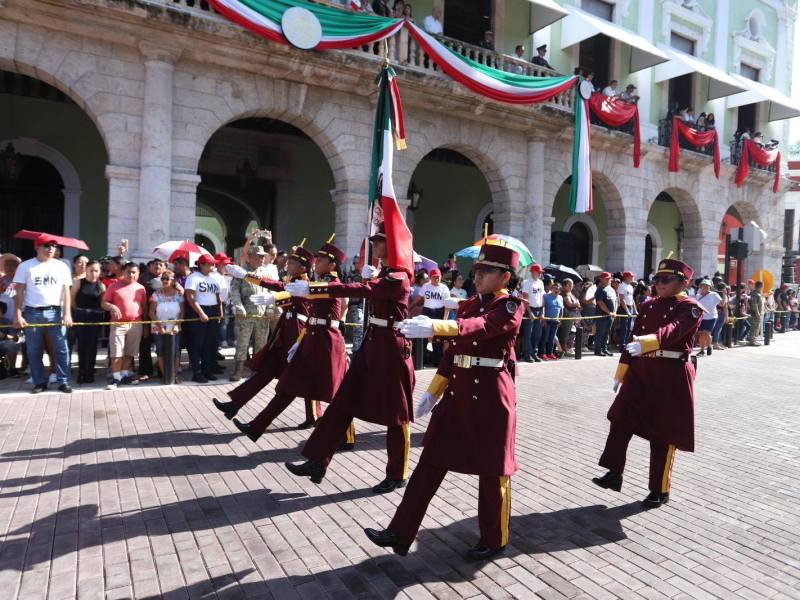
x=615, y=112
x=698, y=139
x=761, y=157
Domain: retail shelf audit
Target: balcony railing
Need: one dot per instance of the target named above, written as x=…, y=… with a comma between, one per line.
x=736, y=157
x=665, y=139
x=405, y=52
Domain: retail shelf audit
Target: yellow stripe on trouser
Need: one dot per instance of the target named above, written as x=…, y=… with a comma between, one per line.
x=350, y=434
x=666, y=478
x=406, y=448
x=505, y=508
x=314, y=409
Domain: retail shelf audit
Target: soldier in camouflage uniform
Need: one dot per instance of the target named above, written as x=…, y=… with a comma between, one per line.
x=250, y=318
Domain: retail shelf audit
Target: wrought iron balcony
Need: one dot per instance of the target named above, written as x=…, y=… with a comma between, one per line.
x=736, y=157
x=665, y=139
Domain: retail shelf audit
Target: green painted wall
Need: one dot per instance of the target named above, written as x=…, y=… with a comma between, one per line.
x=517, y=27
x=452, y=197
x=666, y=218
x=311, y=210
x=421, y=9
x=561, y=213
x=66, y=128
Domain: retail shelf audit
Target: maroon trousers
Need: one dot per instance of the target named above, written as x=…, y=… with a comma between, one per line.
x=662, y=457
x=332, y=430
x=247, y=390
x=278, y=404
x=494, y=504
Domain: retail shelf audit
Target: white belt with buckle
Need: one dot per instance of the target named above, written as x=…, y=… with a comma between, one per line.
x=328, y=322
x=465, y=362
x=664, y=354
x=382, y=322
x=293, y=315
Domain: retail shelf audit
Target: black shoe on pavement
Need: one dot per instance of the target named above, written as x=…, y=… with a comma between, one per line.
x=655, y=499
x=64, y=387
x=210, y=376
x=346, y=446
x=228, y=408
x=247, y=429
x=128, y=380
x=307, y=424
x=609, y=481
x=483, y=553
x=308, y=469
x=607, y=353
x=386, y=539
x=389, y=485
x=537, y=359
x=38, y=389
x=527, y=360
x=199, y=378
x=217, y=369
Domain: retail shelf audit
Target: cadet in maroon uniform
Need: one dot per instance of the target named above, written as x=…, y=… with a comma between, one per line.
x=318, y=359
x=379, y=385
x=269, y=362
x=655, y=384
x=473, y=426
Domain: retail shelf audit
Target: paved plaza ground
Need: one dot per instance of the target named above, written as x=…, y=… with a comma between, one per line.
x=148, y=493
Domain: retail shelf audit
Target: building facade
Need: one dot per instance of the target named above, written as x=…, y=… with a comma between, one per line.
x=159, y=119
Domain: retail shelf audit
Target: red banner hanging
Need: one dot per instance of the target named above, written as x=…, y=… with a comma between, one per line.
x=763, y=158
x=698, y=139
x=615, y=112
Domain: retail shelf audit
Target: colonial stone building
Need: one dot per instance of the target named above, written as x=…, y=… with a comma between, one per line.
x=159, y=119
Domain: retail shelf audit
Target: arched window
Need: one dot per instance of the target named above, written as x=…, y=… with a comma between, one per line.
x=581, y=244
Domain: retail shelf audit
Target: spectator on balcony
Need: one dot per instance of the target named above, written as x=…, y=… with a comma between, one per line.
x=758, y=138
x=629, y=95
x=381, y=8
x=701, y=121
x=397, y=9
x=687, y=115
x=711, y=122
x=612, y=89
x=408, y=12
x=540, y=59
x=433, y=22
x=487, y=43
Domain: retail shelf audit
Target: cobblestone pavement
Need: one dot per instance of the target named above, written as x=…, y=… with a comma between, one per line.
x=148, y=493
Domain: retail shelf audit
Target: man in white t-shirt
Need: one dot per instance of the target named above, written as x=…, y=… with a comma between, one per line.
x=43, y=297
x=203, y=302
x=432, y=296
x=612, y=89
x=433, y=22
x=533, y=298
x=627, y=307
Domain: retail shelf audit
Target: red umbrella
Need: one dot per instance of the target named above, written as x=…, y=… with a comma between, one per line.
x=27, y=234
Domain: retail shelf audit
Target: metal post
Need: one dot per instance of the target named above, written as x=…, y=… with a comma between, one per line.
x=728, y=334
x=578, y=342
x=169, y=360
x=418, y=348
x=767, y=332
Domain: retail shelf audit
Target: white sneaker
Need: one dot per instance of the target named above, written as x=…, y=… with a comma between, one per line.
x=112, y=385
x=29, y=380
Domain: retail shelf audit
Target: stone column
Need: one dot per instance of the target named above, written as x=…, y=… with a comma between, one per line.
x=536, y=230
x=351, y=221
x=543, y=257
x=700, y=254
x=624, y=249
x=123, y=199
x=155, y=182
x=183, y=210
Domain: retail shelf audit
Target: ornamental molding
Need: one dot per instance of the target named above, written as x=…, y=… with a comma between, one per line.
x=752, y=48
x=688, y=19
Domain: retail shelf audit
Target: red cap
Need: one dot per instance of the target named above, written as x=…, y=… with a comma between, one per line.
x=222, y=259
x=494, y=255
x=628, y=274
x=670, y=266
x=536, y=268
x=205, y=259
x=749, y=281
x=605, y=275
x=44, y=239
x=435, y=272
x=302, y=255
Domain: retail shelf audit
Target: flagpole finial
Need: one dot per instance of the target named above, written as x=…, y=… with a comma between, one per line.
x=670, y=254
x=301, y=244
x=485, y=232
x=385, y=54
x=330, y=239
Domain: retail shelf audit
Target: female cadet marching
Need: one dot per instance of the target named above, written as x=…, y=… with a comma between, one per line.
x=318, y=359
x=656, y=373
x=269, y=362
x=472, y=428
x=379, y=384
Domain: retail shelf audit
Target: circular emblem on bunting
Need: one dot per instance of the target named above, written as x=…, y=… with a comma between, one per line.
x=301, y=27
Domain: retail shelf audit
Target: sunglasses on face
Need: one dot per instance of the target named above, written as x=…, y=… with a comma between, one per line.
x=167, y=278
x=50, y=246
x=665, y=278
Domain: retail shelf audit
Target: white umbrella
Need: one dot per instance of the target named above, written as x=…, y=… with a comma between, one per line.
x=169, y=251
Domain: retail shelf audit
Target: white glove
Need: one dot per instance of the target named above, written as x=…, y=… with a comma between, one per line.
x=634, y=348
x=418, y=327
x=425, y=405
x=292, y=351
x=452, y=302
x=299, y=289
x=617, y=384
x=239, y=310
x=263, y=299
x=369, y=272
x=235, y=271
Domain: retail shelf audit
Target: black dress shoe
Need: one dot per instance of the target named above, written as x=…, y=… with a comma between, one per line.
x=199, y=378
x=310, y=469
x=217, y=369
x=210, y=376
x=38, y=389
x=306, y=424
x=64, y=387
x=483, y=553
x=609, y=481
x=537, y=359
x=346, y=446
x=655, y=499
x=386, y=539
x=607, y=353
x=389, y=485
x=227, y=408
x=247, y=429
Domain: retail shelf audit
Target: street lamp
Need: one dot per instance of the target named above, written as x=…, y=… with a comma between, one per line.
x=10, y=163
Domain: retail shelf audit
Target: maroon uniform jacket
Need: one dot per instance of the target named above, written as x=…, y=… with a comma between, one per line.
x=472, y=429
x=318, y=366
x=656, y=400
x=271, y=358
x=379, y=384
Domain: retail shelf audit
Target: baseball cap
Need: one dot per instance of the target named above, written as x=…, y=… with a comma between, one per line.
x=435, y=272
x=705, y=282
x=628, y=274
x=536, y=268
x=205, y=259
x=605, y=275
x=222, y=259
x=256, y=251
x=45, y=239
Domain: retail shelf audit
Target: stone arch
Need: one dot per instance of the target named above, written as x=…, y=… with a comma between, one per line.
x=481, y=218
x=588, y=221
x=688, y=208
x=612, y=198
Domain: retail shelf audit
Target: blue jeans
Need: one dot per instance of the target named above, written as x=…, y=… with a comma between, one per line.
x=532, y=334
x=550, y=337
x=601, y=334
x=625, y=328
x=204, y=340
x=34, y=339
x=716, y=333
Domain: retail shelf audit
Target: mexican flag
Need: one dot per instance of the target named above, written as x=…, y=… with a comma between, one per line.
x=389, y=129
x=581, y=197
